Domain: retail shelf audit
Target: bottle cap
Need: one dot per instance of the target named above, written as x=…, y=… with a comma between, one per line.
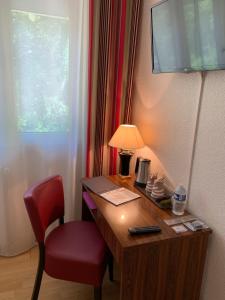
x=180, y=193
x=180, y=189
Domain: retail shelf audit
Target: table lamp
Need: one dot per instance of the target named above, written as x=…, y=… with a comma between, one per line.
x=127, y=138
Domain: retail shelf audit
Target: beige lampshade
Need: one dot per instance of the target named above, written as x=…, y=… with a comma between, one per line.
x=126, y=137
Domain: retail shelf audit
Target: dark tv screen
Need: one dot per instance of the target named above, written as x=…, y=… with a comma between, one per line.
x=188, y=35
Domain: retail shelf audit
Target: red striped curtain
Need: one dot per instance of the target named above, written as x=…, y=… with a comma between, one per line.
x=113, y=31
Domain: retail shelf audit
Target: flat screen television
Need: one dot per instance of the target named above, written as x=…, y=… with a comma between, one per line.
x=188, y=35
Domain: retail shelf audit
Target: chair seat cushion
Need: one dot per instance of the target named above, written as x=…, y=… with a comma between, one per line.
x=76, y=251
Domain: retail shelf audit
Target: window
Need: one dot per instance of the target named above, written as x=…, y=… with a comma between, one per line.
x=41, y=69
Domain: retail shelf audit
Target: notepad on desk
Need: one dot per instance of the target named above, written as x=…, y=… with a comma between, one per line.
x=109, y=191
x=119, y=196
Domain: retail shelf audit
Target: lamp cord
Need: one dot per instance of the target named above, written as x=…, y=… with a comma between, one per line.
x=203, y=77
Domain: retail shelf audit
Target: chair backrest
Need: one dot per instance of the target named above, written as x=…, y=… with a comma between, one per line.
x=45, y=203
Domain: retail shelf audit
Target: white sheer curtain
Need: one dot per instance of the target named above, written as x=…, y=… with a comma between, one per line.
x=43, y=91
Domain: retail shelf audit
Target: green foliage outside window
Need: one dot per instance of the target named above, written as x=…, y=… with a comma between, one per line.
x=41, y=68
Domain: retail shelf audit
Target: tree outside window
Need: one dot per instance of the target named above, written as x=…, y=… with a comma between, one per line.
x=41, y=68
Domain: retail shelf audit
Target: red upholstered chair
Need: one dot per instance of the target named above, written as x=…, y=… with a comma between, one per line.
x=74, y=251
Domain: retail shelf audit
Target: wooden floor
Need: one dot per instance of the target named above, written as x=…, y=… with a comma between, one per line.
x=17, y=276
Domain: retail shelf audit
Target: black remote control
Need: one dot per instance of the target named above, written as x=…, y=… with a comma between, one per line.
x=146, y=229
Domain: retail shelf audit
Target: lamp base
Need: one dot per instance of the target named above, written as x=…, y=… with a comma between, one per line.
x=125, y=158
x=124, y=176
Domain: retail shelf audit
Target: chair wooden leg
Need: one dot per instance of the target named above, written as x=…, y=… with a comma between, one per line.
x=39, y=274
x=110, y=267
x=98, y=293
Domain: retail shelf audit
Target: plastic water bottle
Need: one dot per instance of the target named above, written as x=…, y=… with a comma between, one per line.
x=179, y=200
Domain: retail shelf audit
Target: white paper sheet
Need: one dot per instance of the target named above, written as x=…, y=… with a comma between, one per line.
x=119, y=196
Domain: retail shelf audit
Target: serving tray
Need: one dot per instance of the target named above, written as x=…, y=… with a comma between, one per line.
x=164, y=203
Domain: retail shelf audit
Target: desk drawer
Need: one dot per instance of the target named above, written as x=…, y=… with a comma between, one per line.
x=90, y=212
x=109, y=237
x=88, y=200
x=89, y=208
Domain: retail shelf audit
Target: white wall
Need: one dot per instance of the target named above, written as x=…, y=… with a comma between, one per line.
x=165, y=111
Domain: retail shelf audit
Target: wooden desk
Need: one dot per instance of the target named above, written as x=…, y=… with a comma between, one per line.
x=161, y=266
